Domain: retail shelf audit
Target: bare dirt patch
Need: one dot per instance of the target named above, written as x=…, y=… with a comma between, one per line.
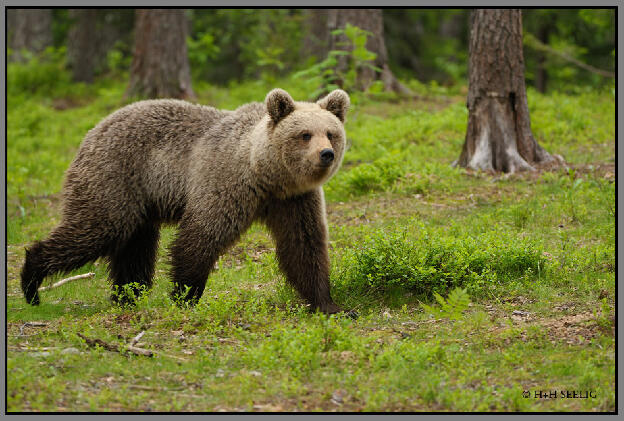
x=573, y=329
x=236, y=256
x=388, y=206
x=68, y=103
x=604, y=170
x=26, y=329
x=365, y=211
x=15, y=258
x=598, y=170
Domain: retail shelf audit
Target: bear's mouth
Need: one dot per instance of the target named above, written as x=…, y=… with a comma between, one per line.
x=321, y=169
x=319, y=172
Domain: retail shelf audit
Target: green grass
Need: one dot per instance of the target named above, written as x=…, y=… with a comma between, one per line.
x=403, y=225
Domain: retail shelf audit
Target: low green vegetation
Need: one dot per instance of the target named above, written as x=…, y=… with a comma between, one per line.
x=472, y=288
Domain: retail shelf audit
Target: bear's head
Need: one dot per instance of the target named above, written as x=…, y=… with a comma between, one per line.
x=306, y=139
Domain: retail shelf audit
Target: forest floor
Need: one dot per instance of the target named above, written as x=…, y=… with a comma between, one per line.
x=535, y=253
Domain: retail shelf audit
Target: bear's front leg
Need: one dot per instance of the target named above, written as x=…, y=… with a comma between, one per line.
x=299, y=228
x=192, y=258
x=205, y=232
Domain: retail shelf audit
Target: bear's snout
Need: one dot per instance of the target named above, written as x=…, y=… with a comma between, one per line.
x=327, y=156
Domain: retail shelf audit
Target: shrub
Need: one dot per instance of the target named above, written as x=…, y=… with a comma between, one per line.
x=43, y=74
x=452, y=307
x=436, y=263
x=379, y=175
x=376, y=176
x=330, y=77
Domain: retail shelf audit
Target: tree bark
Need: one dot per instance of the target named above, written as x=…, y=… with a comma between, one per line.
x=541, y=75
x=160, y=67
x=32, y=31
x=499, y=136
x=91, y=36
x=316, y=40
x=370, y=20
x=82, y=44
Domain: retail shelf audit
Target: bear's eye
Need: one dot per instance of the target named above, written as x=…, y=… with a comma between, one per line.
x=306, y=136
x=330, y=136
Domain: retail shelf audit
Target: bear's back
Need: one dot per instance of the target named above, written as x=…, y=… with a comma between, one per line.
x=140, y=153
x=153, y=123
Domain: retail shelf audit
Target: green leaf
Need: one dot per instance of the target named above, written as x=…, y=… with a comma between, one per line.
x=577, y=183
x=334, y=53
x=453, y=307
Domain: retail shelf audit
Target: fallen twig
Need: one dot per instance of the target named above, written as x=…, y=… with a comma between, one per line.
x=94, y=342
x=416, y=324
x=137, y=338
x=156, y=389
x=64, y=281
x=36, y=324
x=128, y=348
x=173, y=356
x=45, y=348
x=30, y=324
x=139, y=351
x=116, y=348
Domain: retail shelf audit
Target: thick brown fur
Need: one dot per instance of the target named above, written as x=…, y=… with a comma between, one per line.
x=214, y=172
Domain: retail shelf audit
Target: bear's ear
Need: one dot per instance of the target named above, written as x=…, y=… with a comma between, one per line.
x=337, y=103
x=279, y=104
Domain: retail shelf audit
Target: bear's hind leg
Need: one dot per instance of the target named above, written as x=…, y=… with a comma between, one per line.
x=67, y=248
x=133, y=263
x=33, y=272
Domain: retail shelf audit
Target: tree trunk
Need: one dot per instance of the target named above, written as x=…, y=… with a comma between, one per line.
x=82, y=44
x=370, y=20
x=499, y=136
x=160, y=67
x=32, y=31
x=541, y=76
x=91, y=36
x=316, y=40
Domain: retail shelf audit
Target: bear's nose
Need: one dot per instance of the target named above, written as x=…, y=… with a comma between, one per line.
x=327, y=156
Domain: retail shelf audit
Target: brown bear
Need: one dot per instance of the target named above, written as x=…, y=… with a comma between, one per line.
x=212, y=171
